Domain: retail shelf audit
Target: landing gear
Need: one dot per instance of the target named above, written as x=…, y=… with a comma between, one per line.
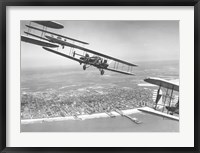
x=102, y=72
x=84, y=67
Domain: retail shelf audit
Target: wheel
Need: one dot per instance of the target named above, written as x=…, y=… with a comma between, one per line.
x=102, y=72
x=84, y=67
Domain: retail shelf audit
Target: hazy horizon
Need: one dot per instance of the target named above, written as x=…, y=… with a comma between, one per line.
x=77, y=66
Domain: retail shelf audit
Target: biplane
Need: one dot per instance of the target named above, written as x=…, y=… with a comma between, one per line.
x=82, y=55
x=167, y=101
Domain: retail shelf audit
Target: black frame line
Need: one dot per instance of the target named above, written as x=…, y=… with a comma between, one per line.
x=5, y=3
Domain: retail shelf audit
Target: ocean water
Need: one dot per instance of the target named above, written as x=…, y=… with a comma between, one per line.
x=150, y=123
x=64, y=79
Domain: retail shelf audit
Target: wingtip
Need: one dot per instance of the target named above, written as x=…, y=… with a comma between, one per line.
x=45, y=48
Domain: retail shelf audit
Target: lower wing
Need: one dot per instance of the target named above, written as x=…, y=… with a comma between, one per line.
x=158, y=113
x=61, y=54
x=37, y=42
x=80, y=61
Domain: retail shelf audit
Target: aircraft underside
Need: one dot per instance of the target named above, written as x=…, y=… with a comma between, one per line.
x=100, y=69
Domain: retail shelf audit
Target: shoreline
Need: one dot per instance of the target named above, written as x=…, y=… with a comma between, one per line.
x=80, y=117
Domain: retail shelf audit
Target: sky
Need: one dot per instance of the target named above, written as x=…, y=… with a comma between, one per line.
x=132, y=41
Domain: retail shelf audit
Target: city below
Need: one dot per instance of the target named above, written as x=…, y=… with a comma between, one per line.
x=83, y=101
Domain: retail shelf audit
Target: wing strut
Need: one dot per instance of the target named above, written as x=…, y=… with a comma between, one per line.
x=157, y=97
x=170, y=98
x=165, y=100
x=117, y=64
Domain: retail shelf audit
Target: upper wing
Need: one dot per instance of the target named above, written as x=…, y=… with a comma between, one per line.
x=50, y=24
x=163, y=83
x=87, y=50
x=37, y=42
x=45, y=31
x=61, y=54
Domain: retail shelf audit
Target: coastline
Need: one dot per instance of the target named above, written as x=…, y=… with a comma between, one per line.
x=80, y=117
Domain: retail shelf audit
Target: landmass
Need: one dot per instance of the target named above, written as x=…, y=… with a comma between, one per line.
x=82, y=101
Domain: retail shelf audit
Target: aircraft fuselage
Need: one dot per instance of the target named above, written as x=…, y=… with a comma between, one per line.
x=95, y=61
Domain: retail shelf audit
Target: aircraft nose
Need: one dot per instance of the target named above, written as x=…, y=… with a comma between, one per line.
x=146, y=79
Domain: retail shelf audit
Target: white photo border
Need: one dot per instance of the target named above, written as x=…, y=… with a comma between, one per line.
x=185, y=15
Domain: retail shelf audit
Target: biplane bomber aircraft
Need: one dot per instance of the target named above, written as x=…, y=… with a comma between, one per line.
x=82, y=55
x=166, y=103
